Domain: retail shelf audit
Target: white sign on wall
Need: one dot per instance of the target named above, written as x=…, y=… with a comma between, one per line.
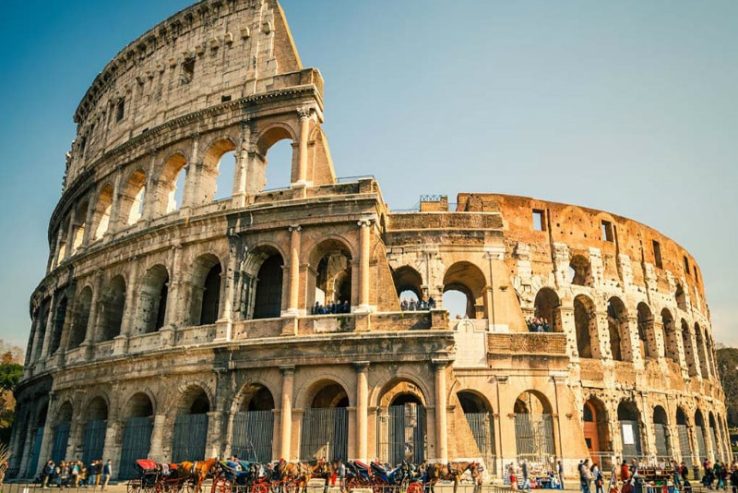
x=628, y=437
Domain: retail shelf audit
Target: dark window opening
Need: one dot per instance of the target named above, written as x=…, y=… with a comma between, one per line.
x=657, y=254
x=607, y=233
x=686, y=265
x=539, y=220
x=188, y=70
x=120, y=110
x=225, y=99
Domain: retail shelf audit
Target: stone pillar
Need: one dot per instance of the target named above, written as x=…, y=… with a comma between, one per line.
x=364, y=254
x=192, y=176
x=112, y=447
x=294, y=271
x=239, y=183
x=439, y=370
x=115, y=219
x=215, y=430
x=156, y=451
x=362, y=409
x=285, y=423
x=302, y=153
x=89, y=218
x=71, y=230
x=49, y=332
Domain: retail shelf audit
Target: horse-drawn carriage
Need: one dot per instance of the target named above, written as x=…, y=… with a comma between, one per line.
x=159, y=478
x=242, y=477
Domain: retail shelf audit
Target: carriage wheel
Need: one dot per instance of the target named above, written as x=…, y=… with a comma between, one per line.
x=259, y=488
x=220, y=485
x=415, y=488
x=133, y=486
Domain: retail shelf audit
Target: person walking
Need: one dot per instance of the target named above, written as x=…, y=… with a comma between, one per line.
x=734, y=478
x=559, y=471
x=599, y=480
x=106, y=472
x=585, y=476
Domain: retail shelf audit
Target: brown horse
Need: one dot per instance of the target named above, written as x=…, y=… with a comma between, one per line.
x=196, y=471
x=295, y=476
x=450, y=472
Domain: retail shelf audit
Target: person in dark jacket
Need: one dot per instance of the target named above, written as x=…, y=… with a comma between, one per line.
x=734, y=479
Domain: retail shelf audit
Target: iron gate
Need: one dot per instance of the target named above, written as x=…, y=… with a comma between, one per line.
x=324, y=434
x=684, y=446
x=38, y=435
x=93, y=441
x=484, y=436
x=252, y=436
x=406, y=428
x=716, y=445
x=630, y=434
x=701, y=447
x=190, y=437
x=136, y=444
x=61, y=440
x=534, y=437
x=662, y=441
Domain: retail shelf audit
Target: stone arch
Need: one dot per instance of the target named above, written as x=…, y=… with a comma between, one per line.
x=595, y=427
x=266, y=139
x=206, y=288
x=468, y=279
x=60, y=317
x=95, y=414
x=80, y=317
x=689, y=352
x=701, y=352
x=60, y=432
x=619, y=330
x=268, y=286
x=547, y=310
x=407, y=279
x=700, y=433
x=680, y=297
x=38, y=424
x=330, y=279
x=253, y=423
x=191, y=423
x=534, y=427
x=139, y=405
x=103, y=208
x=324, y=431
x=580, y=271
x=113, y=308
x=714, y=436
x=400, y=386
x=132, y=197
x=136, y=433
x=402, y=425
x=646, y=333
x=585, y=323
x=80, y=229
x=152, y=300
x=170, y=179
x=629, y=419
x=685, y=444
x=64, y=413
x=671, y=344
x=212, y=160
x=661, y=431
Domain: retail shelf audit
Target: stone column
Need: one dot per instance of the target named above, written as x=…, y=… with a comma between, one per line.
x=239, y=183
x=111, y=450
x=285, y=424
x=156, y=451
x=114, y=222
x=439, y=370
x=362, y=409
x=302, y=152
x=49, y=332
x=293, y=300
x=71, y=230
x=192, y=176
x=215, y=430
x=364, y=254
x=89, y=218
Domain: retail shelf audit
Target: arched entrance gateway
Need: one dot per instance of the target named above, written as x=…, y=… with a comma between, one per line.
x=60, y=433
x=325, y=424
x=596, y=433
x=36, y=439
x=402, y=424
x=136, y=433
x=630, y=430
x=685, y=446
x=93, y=439
x=699, y=431
x=479, y=416
x=191, y=426
x=661, y=432
x=534, y=434
x=253, y=425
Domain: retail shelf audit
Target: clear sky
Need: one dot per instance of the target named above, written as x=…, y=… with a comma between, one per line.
x=628, y=106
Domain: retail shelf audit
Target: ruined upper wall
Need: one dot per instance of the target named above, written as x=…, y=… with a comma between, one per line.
x=214, y=51
x=582, y=229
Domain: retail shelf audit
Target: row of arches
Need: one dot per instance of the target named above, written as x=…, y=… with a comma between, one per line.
x=699, y=356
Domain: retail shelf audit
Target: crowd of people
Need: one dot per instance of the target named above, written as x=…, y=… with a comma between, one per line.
x=331, y=308
x=538, y=324
x=419, y=305
x=75, y=474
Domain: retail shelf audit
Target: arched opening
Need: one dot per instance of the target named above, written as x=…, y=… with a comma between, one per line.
x=60, y=317
x=585, y=322
x=152, y=300
x=402, y=424
x=331, y=279
x=409, y=287
x=218, y=172
x=191, y=426
x=699, y=431
x=661, y=430
x=81, y=314
x=580, y=271
x=268, y=287
x=205, y=298
x=630, y=430
x=37, y=435
x=534, y=435
x=136, y=434
x=718, y=451
x=132, y=197
x=274, y=163
x=226, y=176
x=617, y=323
x=41, y=319
x=671, y=346
x=701, y=351
x=596, y=432
x=680, y=297
x=468, y=280
x=547, y=315
x=325, y=424
x=253, y=425
x=689, y=354
x=103, y=208
x=481, y=423
x=113, y=308
x=60, y=435
x=685, y=445
x=172, y=184
x=80, y=227
x=646, y=334
x=96, y=419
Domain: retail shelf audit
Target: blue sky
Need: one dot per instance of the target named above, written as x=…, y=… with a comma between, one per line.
x=627, y=106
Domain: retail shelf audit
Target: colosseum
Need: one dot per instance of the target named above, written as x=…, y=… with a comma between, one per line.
x=178, y=319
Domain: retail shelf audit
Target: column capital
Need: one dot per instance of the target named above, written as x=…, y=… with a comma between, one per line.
x=361, y=366
x=364, y=223
x=303, y=112
x=287, y=370
x=294, y=227
x=440, y=363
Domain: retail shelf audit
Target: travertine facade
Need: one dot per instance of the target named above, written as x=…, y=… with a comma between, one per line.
x=173, y=325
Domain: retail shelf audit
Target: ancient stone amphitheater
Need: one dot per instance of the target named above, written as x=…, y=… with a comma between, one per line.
x=177, y=318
